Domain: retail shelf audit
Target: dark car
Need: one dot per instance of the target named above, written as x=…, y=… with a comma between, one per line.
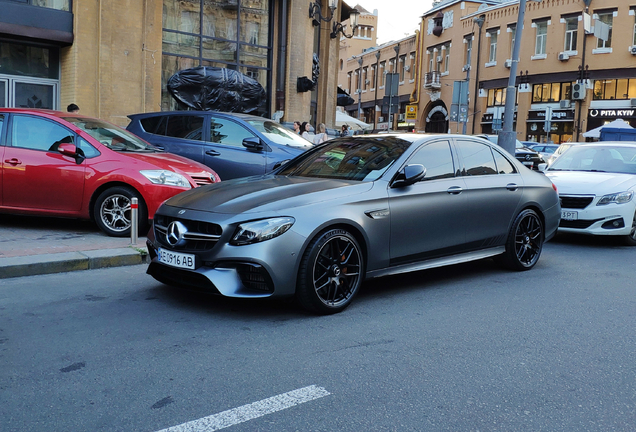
x=530, y=158
x=351, y=209
x=233, y=145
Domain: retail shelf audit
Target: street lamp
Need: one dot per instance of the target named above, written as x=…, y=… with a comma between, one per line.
x=339, y=28
x=315, y=12
x=507, y=136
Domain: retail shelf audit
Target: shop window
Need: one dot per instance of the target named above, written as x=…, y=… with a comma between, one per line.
x=497, y=97
x=541, y=37
x=551, y=92
x=606, y=18
x=615, y=89
x=571, y=32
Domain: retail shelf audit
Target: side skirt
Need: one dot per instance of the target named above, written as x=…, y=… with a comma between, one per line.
x=437, y=262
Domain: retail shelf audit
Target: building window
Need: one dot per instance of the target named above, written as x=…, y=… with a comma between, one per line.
x=374, y=72
x=447, y=48
x=469, y=49
x=571, y=31
x=492, y=54
x=542, y=38
x=606, y=18
x=634, y=34
x=365, y=78
x=199, y=33
x=349, y=82
x=497, y=97
x=551, y=92
x=615, y=89
x=382, y=73
x=513, y=34
x=402, y=67
x=63, y=5
x=412, y=66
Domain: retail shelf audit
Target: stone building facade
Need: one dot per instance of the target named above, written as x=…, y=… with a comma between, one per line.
x=113, y=58
x=573, y=67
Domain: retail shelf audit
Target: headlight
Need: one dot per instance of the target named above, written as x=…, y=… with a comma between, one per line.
x=166, y=177
x=618, y=198
x=258, y=231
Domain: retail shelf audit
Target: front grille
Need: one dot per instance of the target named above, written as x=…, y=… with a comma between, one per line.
x=255, y=277
x=202, y=180
x=577, y=224
x=201, y=236
x=181, y=278
x=575, y=202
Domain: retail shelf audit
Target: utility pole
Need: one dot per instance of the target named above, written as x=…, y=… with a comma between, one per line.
x=360, y=88
x=507, y=136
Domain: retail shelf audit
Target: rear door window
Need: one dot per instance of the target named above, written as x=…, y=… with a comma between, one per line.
x=185, y=127
x=503, y=165
x=155, y=125
x=477, y=158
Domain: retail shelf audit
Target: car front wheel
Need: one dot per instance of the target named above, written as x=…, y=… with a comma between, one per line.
x=112, y=211
x=524, y=243
x=331, y=272
x=630, y=239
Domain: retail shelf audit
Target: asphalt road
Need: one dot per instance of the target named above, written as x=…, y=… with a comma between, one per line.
x=466, y=348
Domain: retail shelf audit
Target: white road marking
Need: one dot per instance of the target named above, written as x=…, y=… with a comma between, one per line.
x=251, y=411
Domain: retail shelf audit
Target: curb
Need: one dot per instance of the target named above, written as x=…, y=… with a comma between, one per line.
x=71, y=261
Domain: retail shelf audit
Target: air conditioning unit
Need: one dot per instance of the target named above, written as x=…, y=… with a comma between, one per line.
x=508, y=63
x=632, y=103
x=578, y=91
x=565, y=104
x=400, y=117
x=439, y=59
x=563, y=56
x=632, y=49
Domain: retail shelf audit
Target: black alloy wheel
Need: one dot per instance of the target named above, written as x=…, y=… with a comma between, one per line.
x=524, y=243
x=331, y=272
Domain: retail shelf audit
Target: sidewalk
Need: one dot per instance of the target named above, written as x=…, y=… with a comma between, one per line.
x=34, y=245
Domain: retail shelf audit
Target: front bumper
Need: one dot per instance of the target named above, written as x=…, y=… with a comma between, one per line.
x=259, y=270
x=610, y=219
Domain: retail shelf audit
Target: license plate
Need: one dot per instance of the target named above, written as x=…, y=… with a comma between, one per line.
x=176, y=259
x=569, y=215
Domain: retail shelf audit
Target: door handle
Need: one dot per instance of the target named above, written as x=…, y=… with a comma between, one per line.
x=512, y=187
x=212, y=153
x=455, y=190
x=13, y=161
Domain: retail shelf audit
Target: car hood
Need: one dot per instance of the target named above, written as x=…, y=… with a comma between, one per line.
x=266, y=193
x=169, y=161
x=586, y=183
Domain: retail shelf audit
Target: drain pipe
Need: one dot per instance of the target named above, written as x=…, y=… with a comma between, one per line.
x=282, y=57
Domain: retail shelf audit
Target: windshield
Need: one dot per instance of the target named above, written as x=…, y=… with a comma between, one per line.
x=113, y=137
x=601, y=158
x=362, y=159
x=279, y=134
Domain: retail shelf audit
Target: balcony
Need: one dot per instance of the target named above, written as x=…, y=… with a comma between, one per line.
x=432, y=80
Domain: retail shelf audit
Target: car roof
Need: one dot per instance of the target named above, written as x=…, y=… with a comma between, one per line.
x=242, y=116
x=39, y=111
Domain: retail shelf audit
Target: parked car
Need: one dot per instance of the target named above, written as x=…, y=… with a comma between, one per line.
x=560, y=150
x=530, y=158
x=351, y=209
x=233, y=145
x=596, y=184
x=545, y=150
x=70, y=165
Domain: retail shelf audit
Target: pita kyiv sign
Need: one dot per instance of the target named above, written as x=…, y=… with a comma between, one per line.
x=612, y=113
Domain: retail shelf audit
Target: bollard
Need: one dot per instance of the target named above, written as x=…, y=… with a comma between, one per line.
x=134, y=207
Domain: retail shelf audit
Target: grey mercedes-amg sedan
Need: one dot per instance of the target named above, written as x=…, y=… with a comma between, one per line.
x=351, y=209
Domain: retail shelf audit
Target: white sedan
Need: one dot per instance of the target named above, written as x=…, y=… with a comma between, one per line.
x=596, y=184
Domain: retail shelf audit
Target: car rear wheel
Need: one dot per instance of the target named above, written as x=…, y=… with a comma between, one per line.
x=330, y=272
x=630, y=239
x=524, y=243
x=112, y=211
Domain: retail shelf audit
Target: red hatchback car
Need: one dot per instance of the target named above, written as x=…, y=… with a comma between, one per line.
x=69, y=165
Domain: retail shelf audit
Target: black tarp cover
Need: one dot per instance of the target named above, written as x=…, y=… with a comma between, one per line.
x=220, y=89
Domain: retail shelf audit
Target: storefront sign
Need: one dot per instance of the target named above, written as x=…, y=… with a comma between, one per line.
x=612, y=113
x=489, y=117
x=411, y=112
x=557, y=115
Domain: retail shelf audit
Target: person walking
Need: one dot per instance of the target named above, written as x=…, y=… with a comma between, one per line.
x=321, y=136
x=305, y=128
x=297, y=127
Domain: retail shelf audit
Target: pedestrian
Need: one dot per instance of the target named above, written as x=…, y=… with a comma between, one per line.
x=72, y=108
x=321, y=136
x=297, y=127
x=305, y=127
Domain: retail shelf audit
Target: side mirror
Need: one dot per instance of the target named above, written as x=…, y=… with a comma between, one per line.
x=542, y=167
x=408, y=175
x=70, y=150
x=253, y=144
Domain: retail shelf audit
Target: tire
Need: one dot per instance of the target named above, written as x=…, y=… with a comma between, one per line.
x=524, y=243
x=112, y=211
x=630, y=239
x=331, y=272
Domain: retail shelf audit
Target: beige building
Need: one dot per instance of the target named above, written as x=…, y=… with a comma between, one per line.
x=113, y=58
x=578, y=78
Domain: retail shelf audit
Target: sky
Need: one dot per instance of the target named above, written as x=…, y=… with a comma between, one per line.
x=396, y=18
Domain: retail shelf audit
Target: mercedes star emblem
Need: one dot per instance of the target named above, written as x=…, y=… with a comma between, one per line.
x=175, y=233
